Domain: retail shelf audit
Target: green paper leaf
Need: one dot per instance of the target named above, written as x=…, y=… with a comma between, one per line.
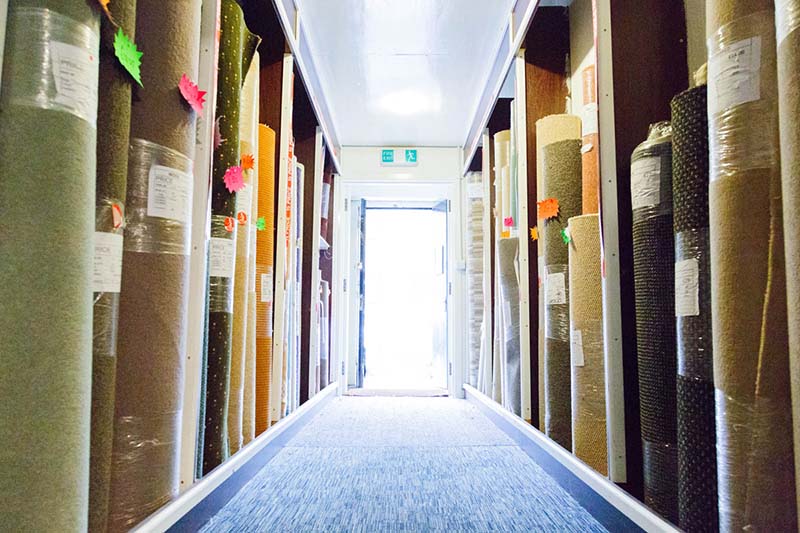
x=566, y=236
x=128, y=55
x=261, y=224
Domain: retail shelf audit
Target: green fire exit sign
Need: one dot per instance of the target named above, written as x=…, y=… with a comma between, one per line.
x=399, y=157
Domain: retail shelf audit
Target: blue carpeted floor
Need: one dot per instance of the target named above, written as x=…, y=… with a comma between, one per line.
x=402, y=464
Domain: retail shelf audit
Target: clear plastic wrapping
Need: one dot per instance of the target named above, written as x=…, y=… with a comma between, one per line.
x=556, y=315
x=787, y=18
x=159, y=210
x=651, y=174
x=65, y=56
x=692, y=305
x=222, y=264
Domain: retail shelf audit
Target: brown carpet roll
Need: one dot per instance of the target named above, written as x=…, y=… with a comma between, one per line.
x=586, y=346
x=113, y=132
x=590, y=160
x=561, y=179
x=265, y=247
x=748, y=276
x=47, y=198
x=787, y=17
x=151, y=345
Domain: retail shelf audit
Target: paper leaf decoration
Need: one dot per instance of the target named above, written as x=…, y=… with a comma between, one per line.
x=128, y=55
x=234, y=181
x=565, y=236
x=104, y=7
x=248, y=162
x=230, y=224
x=192, y=94
x=218, y=140
x=261, y=224
x=116, y=215
x=548, y=208
x=508, y=222
x=535, y=233
x=241, y=216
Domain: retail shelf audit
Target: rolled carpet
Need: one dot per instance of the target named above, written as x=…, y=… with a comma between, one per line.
x=265, y=248
x=249, y=145
x=474, y=230
x=654, y=282
x=787, y=18
x=151, y=343
x=237, y=46
x=550, y=129
x=47, y=198
x=697, y=439
x=748, y=276
x=325, y=295
x=586, y=343
x=113, y=133
x=509, y=288
x=561, y=167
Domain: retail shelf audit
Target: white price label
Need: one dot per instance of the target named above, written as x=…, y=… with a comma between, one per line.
x=266, y=287
x=555, y=289
x=221, y=257
x=75, y=72
x=326, y=199
x=107, y=262
x=687, y=288
x=589, y=122
x=577, y=348
x=646, y=182
x=474, y=190
x=734, y=74
x=244, y=201
x=169, y=194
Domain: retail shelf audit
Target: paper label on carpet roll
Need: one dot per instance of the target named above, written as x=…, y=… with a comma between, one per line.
x=555, y=289
x=326, y=198
x=266, y=287
x=244, y=200
x=645, y=182
x=75, y=73
x=474, y=190
x=577, y=348
x=169, y=194
x=221, y=259
x=107, y=262
x=589, y=121
x=734, y=75
x=687, y=288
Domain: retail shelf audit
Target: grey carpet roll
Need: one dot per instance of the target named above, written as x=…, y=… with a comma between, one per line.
x=474, y=230
x=509, y=287
x=47, y=198
x=697, y=440
x=151, y=343
x=654, y=280
x=748, y=274
x=113, y=132
x=787, y=18
x=561, y=179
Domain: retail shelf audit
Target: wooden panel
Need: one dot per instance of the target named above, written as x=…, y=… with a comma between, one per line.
x=649, y=67
x=546, y=52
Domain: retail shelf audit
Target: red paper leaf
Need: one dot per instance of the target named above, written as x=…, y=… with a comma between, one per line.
x=241, y=216
x=229, y=224
x=234, y=181
x=192, y=94
x=116, y=215
x=508, y=222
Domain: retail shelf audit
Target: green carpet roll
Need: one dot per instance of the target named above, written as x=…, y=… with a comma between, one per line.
x=561, y=179
x=237, y=46
x=48, y=107
x=748, y=274
x=151, y=343
x=113, y=132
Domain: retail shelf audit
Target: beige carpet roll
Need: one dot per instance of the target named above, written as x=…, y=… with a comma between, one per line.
x=549, y=129
x=586, y=343
x=748, y=276
x=787, y=18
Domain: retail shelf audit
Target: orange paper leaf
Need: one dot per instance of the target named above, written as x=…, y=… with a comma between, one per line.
x=248, y=162
x=229, y=224
x=548, y=208
x=104, y=7
x=241, y=216
x=535, y=233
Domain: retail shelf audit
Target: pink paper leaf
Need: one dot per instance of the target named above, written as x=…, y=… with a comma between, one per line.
x=218, y=140
x=192, y=94
x=234, y=181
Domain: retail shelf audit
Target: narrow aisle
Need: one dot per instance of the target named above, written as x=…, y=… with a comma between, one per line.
x=402, y=464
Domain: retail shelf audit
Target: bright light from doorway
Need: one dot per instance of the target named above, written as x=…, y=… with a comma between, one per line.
x=405, y=328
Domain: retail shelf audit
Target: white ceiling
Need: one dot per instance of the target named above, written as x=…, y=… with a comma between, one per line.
x=403, y=72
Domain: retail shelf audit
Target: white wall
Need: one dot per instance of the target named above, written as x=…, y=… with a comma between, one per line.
x=696, y=35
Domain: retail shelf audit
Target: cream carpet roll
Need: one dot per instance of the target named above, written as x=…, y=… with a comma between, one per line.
x=586, y=346
x=474, y=240
x=509, y=287
x=47, y=200
x=787, y=17
x=748, y=276
x=549, y=129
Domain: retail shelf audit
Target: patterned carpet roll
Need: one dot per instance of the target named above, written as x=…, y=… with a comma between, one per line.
x=47, y=200
x=697, y=440
x=748, y=275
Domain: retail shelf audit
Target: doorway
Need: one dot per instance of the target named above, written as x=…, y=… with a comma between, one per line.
x=404, y=291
